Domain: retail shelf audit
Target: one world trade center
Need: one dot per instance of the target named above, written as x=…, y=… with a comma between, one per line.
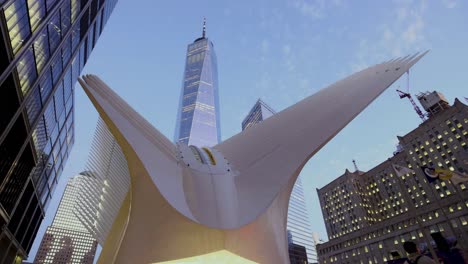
x=198, y=113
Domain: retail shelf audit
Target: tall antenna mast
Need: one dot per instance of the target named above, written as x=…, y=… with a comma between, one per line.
x=204, y=27
x=355, y=166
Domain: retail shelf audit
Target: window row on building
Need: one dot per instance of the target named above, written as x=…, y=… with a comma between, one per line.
x=384, y=208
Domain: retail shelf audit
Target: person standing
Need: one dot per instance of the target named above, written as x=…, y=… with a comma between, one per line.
x=414, y=256
x=449, y=254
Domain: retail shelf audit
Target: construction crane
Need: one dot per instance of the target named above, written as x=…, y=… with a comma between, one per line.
x=408, y=95
x=355, y=166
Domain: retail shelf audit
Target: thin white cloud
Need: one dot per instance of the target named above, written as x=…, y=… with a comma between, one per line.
x=289, y=58
x=398, y=37
x=450, y=3
x=414, y=32
x=316, y=9
x=402, y=13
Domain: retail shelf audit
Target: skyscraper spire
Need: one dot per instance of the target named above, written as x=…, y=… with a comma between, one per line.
x=204, y=27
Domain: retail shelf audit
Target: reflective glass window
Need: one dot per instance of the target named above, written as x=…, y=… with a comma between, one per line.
x=50, y=4
x=37, y=12
x=67, y=84
x=58, y=99
x=33, y=105
x=41, y=183
x=90, y=41
x=13, y=185
x=44, y=189
x=15, y=219
x=66, y=51
x=47, y=202
x=64, y=152
x=75, y=9
x=63, y=138
x=26, y=68
x=69, y=104
x=9, y=101
x=37, y=171
x=45, y=85
x=53, y=138
x=75, y=35
x=62, y=117
x=10, y=147
x=65, y=16
x=16, y=16
x=59, y=170
x=28, y=214
x=35, y=221
x=82, y=56
x=75, y=70
x=41, y=49
x=97, y=31
x=48, y=146
x=49, y=168
x=39, y=137
x=49, y=117
x=56, y=69
x=51, y=179
x=54, y=33
x=69, y=122
x=70, y=138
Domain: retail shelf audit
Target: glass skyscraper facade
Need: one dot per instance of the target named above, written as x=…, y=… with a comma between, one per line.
x=259, y=112
x=298, y=225
x=67, y=240
x=198, y=113
x=44, y=45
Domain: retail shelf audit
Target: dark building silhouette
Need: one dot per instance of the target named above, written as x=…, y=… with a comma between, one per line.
x=297, y=254
x=44, y=45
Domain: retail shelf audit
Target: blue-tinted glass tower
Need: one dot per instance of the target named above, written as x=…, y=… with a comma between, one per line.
x=44, y=45
x=198, y=113
x=298, y=225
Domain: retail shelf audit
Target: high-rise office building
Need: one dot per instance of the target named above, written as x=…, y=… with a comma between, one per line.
x=43, y=48
x=368, y=215
x=298, y=224
x=198, y=113
x=259, y=112
x=67, y=240
x=297, y=254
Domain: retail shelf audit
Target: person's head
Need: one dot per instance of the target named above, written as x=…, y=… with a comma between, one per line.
x=410, y=247
x=441, y=242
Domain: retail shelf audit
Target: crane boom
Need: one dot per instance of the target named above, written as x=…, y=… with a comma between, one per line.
x=415, y=106
x=355, y=166
x=408, y=95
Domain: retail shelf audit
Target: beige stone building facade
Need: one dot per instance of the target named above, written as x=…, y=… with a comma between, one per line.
x=368, y=215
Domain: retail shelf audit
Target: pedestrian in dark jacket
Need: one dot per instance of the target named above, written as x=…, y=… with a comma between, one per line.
x=414, y=256
x=448, y=254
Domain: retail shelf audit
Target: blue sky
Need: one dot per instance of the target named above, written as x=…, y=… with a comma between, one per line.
x=280, y=51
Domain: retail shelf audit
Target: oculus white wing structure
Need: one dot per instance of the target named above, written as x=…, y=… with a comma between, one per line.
x=185, y=201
